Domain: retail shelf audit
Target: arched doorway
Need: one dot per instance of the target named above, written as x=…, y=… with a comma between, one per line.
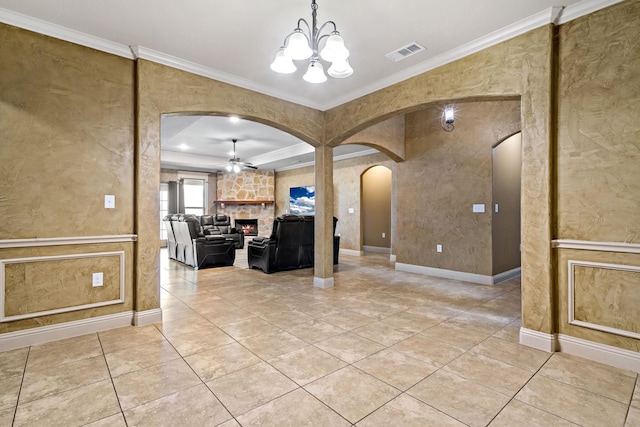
x=376, y=209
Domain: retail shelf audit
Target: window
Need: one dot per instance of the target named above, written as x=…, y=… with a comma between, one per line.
x=164, y=208
x=194, y=199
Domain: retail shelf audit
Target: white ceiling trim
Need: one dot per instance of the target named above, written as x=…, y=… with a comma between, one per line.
x=518, y=28
x=193, y=160
x=194, y=68
x=282, y=153
x=585, y=7
x=63, y=33
x=335, y=158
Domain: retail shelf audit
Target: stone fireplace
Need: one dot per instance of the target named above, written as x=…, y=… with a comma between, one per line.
x=247, y=195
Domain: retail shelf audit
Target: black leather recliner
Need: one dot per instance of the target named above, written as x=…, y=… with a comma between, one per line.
x=289, y=247
x=198, y=250
x=221, y=224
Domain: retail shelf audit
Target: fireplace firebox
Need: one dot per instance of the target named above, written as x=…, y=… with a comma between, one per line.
x=248, y=227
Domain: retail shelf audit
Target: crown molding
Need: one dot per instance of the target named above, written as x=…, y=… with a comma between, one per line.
x=583, y=8
x=518, y=28
x=549, y=16
x=335, y=158
x=63, y=33
x=194, y=68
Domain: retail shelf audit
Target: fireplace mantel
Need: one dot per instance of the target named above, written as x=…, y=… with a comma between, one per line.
x=244, y=202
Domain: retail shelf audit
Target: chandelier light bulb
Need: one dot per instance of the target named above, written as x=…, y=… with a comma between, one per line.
x=298, y=46
x=340, y=69
x=236, y=168
x=283, y=64
x=334, y=49
x=315, y=73
x=229, y=168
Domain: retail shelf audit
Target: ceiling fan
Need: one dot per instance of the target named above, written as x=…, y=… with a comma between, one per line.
x=234, y=164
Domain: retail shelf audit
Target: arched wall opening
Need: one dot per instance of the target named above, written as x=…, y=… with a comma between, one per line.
x=498, y=73
x=375, y=212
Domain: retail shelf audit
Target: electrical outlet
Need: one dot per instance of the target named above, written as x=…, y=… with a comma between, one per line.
x=438, y=248
x=384, y=235
x=97, y=279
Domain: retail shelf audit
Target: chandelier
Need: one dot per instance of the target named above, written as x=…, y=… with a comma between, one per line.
x=304, y=43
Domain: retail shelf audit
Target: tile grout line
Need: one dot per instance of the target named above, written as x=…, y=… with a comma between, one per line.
x=113, y=385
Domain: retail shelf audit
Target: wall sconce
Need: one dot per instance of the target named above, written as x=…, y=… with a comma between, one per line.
x=446, y=121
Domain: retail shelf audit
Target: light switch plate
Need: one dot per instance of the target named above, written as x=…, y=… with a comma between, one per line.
x=351, y=210
x=96, y=279
x=438, y=248
x=478, y=208
x=109, y=201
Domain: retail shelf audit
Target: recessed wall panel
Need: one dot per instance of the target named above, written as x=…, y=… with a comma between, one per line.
x=52, y=284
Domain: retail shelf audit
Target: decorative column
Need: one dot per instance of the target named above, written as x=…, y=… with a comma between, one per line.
x=323, y=237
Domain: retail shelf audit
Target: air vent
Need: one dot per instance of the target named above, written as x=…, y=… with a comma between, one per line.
x=405, y=52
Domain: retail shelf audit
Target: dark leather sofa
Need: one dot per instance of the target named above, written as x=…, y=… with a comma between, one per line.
x=187, y=243
x=221, y=224
x=290, y=245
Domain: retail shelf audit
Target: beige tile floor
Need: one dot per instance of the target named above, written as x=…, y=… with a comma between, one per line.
x=381, y=348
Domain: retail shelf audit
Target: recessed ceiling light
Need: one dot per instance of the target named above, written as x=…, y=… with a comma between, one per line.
x=183, y=146
x=234, y=119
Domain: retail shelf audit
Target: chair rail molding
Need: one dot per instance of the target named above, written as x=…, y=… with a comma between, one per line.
x=64, y=241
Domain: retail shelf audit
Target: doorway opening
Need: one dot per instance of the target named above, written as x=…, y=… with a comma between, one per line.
x=507, y=167
x=376, y=209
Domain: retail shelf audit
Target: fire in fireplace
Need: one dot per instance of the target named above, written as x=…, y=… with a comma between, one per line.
x=249, y=227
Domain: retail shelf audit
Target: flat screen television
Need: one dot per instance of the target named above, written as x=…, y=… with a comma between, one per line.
x=302, y=200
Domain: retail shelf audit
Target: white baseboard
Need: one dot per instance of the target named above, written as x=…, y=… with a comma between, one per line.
x=147, y=317
x=609, y=355
x=60, y=331
x=392, y=258
x=376, y=249
x=538, y=340
x=323, y=283
x=351, y=252
x=447, y=274
x=506, y=275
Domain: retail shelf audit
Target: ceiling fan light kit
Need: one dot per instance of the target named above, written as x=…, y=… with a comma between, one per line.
x=304, y=43
x=234, y=164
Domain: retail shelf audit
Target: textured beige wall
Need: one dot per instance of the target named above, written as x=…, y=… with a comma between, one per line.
x=387, y=137
x=608, y=298
x=66, y=120
x=444, y=175
x=599, y=126
x=56, y=285
x=598, y=184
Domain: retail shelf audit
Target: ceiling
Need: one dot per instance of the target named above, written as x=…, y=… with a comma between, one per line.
x=235, y=42
x=204, y=143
